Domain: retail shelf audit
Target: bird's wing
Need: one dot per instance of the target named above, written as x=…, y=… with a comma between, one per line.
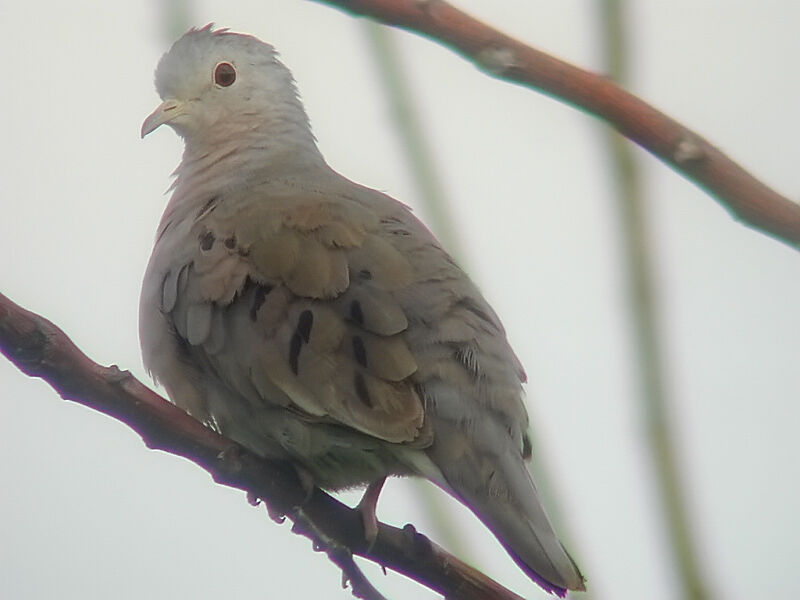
x=341, y=307
x=290, y=300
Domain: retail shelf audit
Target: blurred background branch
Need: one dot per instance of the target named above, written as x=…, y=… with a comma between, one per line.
x=642, y=276
x=409, y=130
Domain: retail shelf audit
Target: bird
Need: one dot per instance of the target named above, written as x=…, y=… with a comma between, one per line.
x=317, y=321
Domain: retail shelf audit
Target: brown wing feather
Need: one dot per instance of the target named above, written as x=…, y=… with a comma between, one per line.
x=296, y=311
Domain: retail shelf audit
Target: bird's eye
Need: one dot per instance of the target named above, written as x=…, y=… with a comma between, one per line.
x=224, y=74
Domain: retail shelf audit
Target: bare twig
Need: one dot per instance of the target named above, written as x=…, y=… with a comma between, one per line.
x=40, y=349
x=744, y=196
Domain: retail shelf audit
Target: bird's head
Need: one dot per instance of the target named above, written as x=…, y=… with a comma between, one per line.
x=212, y=80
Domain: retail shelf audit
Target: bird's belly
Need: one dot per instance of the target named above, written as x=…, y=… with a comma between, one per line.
x=336, y=457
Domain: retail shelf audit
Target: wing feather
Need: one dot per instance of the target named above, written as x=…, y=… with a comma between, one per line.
x=299, y=313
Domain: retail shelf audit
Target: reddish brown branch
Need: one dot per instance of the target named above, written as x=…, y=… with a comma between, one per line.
x=40, y=349
x=744, y=196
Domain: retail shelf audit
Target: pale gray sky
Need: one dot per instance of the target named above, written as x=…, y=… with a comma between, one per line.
x=86, y=511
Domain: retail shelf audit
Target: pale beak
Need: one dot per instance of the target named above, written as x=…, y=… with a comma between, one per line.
x=168, y=110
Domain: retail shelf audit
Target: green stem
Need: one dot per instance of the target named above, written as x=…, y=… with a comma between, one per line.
x=410, y=132
x=643, y=299
x=176, y=18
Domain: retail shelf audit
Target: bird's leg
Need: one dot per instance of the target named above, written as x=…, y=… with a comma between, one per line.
x=367, y=507
x=306, y=482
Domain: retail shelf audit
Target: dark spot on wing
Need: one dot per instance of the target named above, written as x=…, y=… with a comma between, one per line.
x=361, y=390
x=230, y=243
x=304, y=324
x=208, y=207
x=365, y=274
x=207, y=240
x=395, y=226
x=294, y=351
x=259, y=296
x=355, y=312
x=301, y=334
x=359, y=351
x=527, y=450
x=184, y=348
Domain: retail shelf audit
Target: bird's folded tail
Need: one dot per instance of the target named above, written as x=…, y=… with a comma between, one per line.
x=501, y=493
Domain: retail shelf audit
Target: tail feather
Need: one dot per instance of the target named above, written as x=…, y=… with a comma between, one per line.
x=497, y=487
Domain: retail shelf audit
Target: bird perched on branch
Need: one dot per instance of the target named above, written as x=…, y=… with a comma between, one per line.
x=317, y=321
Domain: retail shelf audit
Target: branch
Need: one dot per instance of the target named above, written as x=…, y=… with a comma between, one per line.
x=501, y=56
x=40, y=349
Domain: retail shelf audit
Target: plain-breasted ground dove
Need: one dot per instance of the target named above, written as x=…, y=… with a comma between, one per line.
x=317, y=321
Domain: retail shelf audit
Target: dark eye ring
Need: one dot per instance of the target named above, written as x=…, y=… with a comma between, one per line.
x=224, y=74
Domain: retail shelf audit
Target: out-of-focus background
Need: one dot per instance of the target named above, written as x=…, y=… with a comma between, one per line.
x=86, y=511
